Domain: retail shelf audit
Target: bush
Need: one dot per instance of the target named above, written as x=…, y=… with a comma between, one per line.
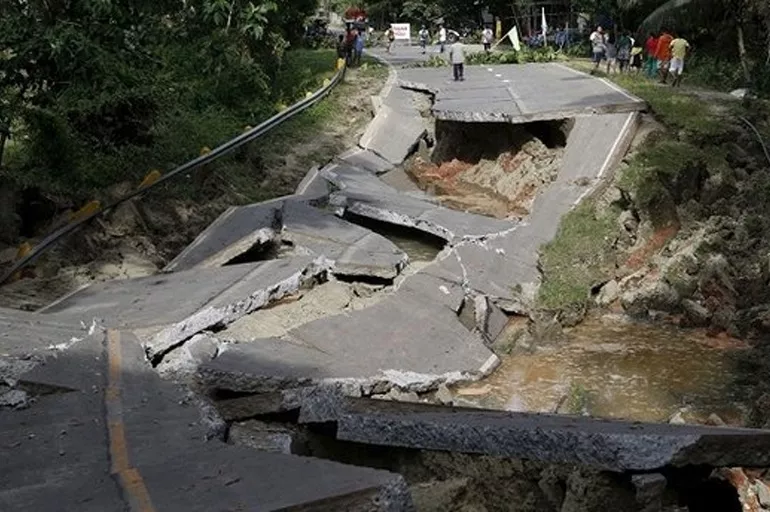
x=513, y=57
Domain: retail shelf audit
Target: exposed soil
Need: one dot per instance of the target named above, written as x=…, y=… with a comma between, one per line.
x=141, y=236
x=493, y=169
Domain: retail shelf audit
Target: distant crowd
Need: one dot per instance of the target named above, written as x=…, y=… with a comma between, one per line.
x=662, y=55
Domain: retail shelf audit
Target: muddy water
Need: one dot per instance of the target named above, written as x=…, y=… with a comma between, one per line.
x=613, y=369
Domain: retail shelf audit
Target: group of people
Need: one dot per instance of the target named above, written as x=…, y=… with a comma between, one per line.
x=664, y=54
x=350, y=46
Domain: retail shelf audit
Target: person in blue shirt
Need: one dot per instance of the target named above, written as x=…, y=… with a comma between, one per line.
x=359, y=48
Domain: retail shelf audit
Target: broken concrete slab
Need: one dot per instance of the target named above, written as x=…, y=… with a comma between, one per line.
x=313, y=187
x=219, y=296
x=234, y=232
x=23, y=333
x=411, y=344
x=365, y=195
x=330, y=298
x=519, y=93
x=352, y=250
x=365, y=159
x=180, y=364
x=610, y=445
x=267, y=437
x=490, y=320
x=393, y=134
x=434, y=289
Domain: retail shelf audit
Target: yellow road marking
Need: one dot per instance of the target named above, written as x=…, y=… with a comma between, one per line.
x=130, y=479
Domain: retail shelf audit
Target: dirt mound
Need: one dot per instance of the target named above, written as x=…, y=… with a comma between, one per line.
x=493, y=169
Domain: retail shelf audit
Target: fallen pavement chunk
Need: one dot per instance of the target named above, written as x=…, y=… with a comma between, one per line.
x=231, y=234
x=266, y=437
x=313, y=187
x=365, y=159
x=393, y=134
x=363, y=194
x=172, y=308
x=351, y=249
x=611, y=445
x=409, y=343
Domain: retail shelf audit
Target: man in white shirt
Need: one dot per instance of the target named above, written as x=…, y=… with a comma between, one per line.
x=457, y=58
x=598, y=47
x=487, y=36
x=442, y=37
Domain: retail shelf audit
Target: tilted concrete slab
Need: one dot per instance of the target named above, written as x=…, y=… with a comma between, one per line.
x=23, y=333
x=58, y=455
x=611, y=445
x=365, y=159
x=364, y=194
x=235, y=231
x=313, y=187
x=352, y=250
x=393, y=134
x=403, y=341
x=518, y=93
x=171, y=308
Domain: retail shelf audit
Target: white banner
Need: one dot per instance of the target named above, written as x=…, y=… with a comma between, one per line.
x=402, y=31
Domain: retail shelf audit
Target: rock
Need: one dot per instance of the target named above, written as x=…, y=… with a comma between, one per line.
x=443, y=395
x=14, y=398
x=746, y=489
x=649, y=491
x=552, y=487
x=715, y=421
x=677, y=418
x=399, y=396
x=763, y=493
x=628, y=221
x=656, y=295
x=742, y=93
x=697, y=314
x=608, y=294
x=591, y=491
x=266, y=437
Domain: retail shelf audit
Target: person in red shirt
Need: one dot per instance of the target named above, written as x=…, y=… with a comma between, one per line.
x=650, y=47
x=663, y=54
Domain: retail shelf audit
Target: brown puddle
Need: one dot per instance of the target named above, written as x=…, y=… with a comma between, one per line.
x=614, y=369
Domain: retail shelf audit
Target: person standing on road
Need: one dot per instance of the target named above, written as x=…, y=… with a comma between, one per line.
x=598, y=47
x=457, y=58
x=679, y=47
x=663, y=54
x=424, y=36
x=441, y=38
x=360, y=43
x=487, y=36
x=650, y=49
x=391, y=37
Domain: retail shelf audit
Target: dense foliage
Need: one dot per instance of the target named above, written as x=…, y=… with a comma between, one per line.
x=94, y=90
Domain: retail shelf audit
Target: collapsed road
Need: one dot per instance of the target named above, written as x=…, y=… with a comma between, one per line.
x=288, y=310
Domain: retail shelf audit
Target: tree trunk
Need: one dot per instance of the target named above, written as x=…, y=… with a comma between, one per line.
x=742, y=54
x=3, y=139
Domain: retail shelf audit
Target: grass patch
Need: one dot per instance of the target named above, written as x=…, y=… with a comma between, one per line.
x=577, y=258
x=677, y=110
